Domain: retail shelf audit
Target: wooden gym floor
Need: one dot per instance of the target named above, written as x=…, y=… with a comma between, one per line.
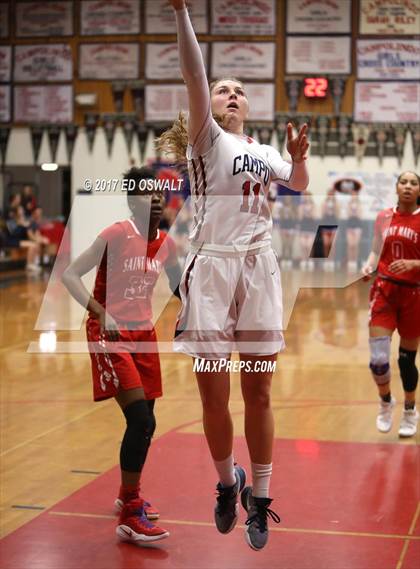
x=348, y=496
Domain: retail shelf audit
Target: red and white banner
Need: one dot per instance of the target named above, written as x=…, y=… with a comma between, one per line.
x=5, y=103
x=389, y=17
x=4, y=20
x=44, y=19
x=245, y=17
x=318, y=16
x=387, y=102
x=388, y=59
x=49, y=62
x=318, y=55
x=109, y=61
x=249, y=60
x=261, y=101
x=162, y=60
x=43, y=103
x=164, y=102
x=160, y=17
x=111, y=17
x=5, y=62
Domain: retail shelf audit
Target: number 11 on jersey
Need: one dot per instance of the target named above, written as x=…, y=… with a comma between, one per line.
x=246, y=189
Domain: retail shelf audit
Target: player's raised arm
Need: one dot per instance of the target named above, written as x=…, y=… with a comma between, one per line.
x=193, y=72
x=295, y=175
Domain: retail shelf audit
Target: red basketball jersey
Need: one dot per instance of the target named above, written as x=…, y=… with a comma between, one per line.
x=399, y=234
x=129, y=270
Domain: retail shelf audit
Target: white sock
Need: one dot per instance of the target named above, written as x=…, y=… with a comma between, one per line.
x=226, y=471
x=261, y=475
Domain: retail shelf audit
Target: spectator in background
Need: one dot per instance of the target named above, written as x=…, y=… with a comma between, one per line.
x=19, y=235
x=15, y=201
x=28, y=200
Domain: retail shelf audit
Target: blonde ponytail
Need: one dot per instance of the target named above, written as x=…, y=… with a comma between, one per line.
x=174, y=141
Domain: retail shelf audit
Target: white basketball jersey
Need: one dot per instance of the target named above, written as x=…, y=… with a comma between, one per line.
x=229, y=186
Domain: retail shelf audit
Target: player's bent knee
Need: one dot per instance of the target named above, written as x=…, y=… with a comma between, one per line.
x=380, y=350
x=408, y=371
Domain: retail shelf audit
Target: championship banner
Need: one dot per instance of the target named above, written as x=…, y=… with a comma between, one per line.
x=44, y=19
x=37, y=132
x=118, y=89
x=142, y=133
x=249, y=60
x=4, y=20
x=360, y=139
x=261, y=101
x=111, y=17
x=5, y=115
x=128, y=124
x=293, y=87
x=163, y=102
x=280, y=126
x=415, y=135
x=344, y=135
x=49, y=62
x=4, y=139
x=318, y=55
x=318, y=17
x=43, y=103
x=380, y=138
x=242, y=17
x=400, y=134
x=162, y=60
x=160, y=17
x=137, y=92
x=5, y=63
x=265, y=132
x=389, y=17
x=109, y=61
x=53, y=132
x=338, y=85
x=109, y=123
x=70, y=131
x=386, y=102
x=397, y=59
x=91, y=124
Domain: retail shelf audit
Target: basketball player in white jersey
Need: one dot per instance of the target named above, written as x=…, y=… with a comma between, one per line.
x=231, y=289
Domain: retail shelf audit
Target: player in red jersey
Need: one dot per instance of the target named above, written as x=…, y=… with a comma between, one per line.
x=395, y=301
x=130, y=255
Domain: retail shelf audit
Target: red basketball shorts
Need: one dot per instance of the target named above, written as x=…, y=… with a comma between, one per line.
x=128, y=368
x=394, y=306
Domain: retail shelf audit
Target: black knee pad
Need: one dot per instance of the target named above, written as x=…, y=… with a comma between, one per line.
x=141, y=425
x=408, y=371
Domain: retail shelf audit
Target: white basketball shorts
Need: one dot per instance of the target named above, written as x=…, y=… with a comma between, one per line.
x=231, y=301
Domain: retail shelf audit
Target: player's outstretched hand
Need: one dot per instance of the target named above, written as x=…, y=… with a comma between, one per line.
x=177, y=4
x=401, y=266
x=297, y=146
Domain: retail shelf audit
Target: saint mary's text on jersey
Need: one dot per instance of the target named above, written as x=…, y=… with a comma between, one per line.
x=141, y=264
